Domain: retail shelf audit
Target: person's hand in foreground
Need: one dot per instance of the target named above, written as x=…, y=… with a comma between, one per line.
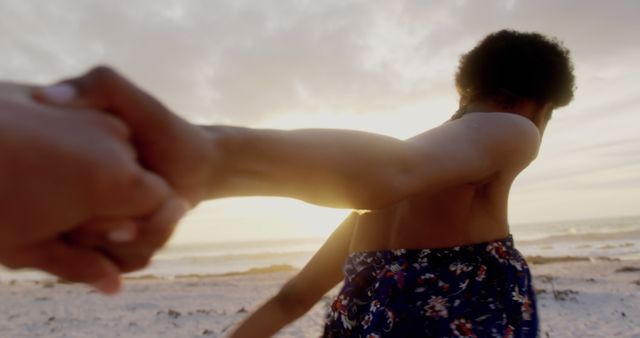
x=171, y=147
x=65, y=170
x=167, y=145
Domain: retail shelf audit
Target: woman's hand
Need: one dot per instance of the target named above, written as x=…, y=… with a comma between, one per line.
x=176, y=150
x=60, y=169
x=173, y=148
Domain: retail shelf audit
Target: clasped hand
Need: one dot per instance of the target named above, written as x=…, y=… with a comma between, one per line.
x=95, y=175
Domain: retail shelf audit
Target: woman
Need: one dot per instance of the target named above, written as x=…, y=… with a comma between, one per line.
x=441, y=263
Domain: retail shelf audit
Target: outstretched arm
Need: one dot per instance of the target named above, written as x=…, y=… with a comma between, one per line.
x=337, y=168
x=345, y=168
x=300, y=293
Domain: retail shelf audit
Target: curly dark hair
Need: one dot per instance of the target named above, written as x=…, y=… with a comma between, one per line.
x=510, y=65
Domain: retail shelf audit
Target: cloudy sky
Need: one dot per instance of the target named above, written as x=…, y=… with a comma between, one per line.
x=381, y=66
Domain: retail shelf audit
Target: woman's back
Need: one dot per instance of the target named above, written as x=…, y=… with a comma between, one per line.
x=441, y=263
x=468, y=213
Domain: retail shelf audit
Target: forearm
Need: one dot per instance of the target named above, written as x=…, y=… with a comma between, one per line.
x=299, y=294
x=336, y=168
x=266, y=321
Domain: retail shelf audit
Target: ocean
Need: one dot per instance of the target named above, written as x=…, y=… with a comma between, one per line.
x=617, y=238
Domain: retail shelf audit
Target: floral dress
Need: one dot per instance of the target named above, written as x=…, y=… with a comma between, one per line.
x=480, y=290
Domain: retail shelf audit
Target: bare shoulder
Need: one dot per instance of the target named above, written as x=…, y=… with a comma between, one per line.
x=504, y=125
x=510, y=137
x=470, y=149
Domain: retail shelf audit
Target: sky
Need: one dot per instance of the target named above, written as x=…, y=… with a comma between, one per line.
x=380, y=66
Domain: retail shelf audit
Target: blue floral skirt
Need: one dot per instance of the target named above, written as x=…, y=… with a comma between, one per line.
x=480, y=290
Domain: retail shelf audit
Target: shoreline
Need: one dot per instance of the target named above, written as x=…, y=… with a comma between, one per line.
x=275, y=268
x=576, y=298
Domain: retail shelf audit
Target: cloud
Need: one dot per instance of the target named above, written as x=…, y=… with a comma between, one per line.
x=242, y=61
x=251, y=61
x=239, y=61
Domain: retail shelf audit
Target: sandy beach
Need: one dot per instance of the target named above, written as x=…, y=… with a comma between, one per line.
x=577, y=298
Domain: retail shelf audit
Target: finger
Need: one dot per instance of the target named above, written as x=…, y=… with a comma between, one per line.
x=133, y=195
x=170, y=213
x=97, y=232
x=153, y=233
x=62, y=94
x=76, y=265
x=157, y=230
x=103, y=88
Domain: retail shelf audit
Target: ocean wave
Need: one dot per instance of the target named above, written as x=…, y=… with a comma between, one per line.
x=251, y=256
x=596, y=236
x=275, y=268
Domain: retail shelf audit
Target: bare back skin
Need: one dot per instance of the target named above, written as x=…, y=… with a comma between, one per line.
x=448, y=215
x=474, y=212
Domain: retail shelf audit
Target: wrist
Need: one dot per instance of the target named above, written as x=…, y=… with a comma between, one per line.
x=223, y=143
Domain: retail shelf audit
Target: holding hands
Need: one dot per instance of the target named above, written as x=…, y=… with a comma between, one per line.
x=98, y=172
x=95, y=176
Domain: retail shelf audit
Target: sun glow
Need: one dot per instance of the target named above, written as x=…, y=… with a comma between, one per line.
x=257, y=218
x=401, y=121
x=238, y=219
